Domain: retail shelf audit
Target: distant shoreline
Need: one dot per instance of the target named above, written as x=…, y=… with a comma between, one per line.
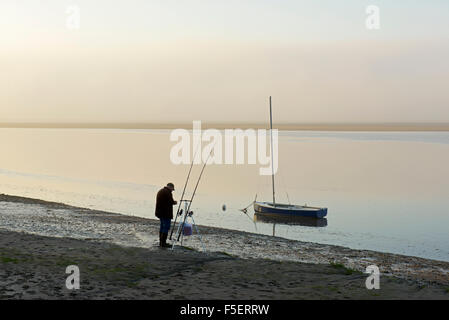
x=205, y=125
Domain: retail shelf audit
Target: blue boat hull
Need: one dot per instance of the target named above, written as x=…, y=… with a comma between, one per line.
x=290, y=219
x=289, y=210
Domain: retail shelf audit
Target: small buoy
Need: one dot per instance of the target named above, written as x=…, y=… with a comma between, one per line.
x=224, y=207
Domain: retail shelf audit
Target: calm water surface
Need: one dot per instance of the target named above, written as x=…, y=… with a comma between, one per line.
x=386, y=191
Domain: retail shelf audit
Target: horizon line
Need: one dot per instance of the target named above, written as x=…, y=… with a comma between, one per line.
x=311, y=126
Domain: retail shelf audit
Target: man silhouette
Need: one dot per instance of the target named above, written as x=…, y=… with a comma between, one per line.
x=164, y=211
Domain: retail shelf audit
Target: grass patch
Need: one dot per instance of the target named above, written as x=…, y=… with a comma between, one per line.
x=9, y=260
x=65, y=262
x=132, y=284
x=342, y=268
x=10, y=255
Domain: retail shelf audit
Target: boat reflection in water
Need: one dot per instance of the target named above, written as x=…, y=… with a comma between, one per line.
x=289, y=220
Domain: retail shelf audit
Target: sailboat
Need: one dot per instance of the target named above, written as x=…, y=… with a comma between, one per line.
x=273, y=208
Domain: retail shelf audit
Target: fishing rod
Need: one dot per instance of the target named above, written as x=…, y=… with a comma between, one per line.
x=183, y=192
x=193, y=194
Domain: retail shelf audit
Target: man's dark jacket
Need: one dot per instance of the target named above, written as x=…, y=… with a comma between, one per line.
x=164, y=204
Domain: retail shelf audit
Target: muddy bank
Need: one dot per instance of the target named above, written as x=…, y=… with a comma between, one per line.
x=33, y=267
x=118, y=259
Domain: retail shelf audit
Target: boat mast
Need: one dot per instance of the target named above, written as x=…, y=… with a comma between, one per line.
x=272, y=165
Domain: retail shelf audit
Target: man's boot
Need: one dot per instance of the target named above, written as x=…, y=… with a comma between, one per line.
x=164, y=241
x=160, y=239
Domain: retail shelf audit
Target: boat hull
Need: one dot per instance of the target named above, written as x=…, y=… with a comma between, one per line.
x=289, y=210
x=290, y=220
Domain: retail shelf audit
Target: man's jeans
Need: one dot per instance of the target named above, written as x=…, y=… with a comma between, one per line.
x=165, y=225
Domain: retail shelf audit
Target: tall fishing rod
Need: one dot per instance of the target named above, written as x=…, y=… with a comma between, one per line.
x=183, y=192
x=193, y=194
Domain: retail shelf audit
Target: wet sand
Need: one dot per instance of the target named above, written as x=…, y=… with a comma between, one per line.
x=119, y=258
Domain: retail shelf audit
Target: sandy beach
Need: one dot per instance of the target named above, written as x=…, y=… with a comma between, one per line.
x=118, y=258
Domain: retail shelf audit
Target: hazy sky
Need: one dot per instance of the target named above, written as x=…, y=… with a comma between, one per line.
x=167, y=60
